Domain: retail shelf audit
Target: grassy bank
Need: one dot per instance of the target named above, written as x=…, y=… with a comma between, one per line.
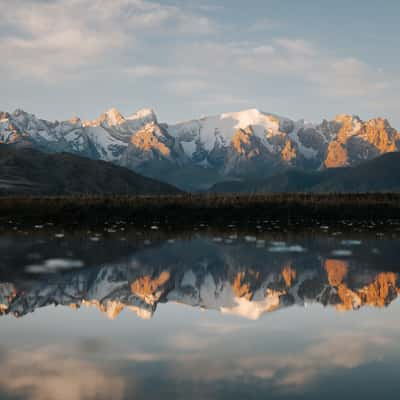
x=211, y=209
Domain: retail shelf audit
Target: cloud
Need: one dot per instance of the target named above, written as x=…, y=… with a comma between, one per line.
x=286, y=371
x=189, y=342
x=285, y=60
x=187, y=87
x=343, y=351
x=46, y=40
x=349, y=77
x=296, y=47
x=225, y=99
x=155, y=70
x=47, y=373
x=265, y=24
x=146, y=70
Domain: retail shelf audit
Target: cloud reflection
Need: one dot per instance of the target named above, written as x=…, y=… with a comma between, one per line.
x=48, y=373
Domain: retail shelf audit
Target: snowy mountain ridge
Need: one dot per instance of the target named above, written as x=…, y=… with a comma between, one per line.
x=248, y=292
x=230, y=145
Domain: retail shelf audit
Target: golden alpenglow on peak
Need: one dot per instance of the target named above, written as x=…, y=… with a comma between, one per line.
x=242, y=140
x=112, y=117
x=357, y=140
x=289, y=152
x=289, y=275
x=150, y=138
x=337, y=271
x=336, y=155
x=150, y=289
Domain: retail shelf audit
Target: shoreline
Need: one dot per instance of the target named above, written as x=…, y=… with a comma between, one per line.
x=214, y=210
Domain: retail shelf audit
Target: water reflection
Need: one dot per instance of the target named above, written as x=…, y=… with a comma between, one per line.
x=244, y=279
x=240, y=347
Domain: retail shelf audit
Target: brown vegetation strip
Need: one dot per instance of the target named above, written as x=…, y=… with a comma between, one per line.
x=213, y=209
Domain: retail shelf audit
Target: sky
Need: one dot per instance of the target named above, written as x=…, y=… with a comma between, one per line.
x=308, y=59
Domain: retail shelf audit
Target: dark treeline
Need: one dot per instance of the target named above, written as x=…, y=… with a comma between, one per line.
x=211, y=209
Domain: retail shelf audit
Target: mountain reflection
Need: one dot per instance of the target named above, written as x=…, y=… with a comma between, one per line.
x=201, y=273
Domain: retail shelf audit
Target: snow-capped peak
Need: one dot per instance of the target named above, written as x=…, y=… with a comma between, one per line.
x=21, y=115
x=246, y=117
x=113, y=117
x=206, y=129
x=254, y=117
x=74, y=120
x=345, y=117
x=147, y=114
x=19, y=111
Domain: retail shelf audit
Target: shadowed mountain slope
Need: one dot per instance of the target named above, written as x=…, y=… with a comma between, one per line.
x=381, y=174
x=28, y=171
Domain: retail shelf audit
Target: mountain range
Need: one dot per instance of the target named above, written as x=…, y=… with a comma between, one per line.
x=233, y=288
x=194, y=155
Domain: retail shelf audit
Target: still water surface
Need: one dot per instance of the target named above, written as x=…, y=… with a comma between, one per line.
x=146, y=315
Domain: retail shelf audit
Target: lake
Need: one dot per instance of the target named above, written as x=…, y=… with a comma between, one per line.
x=270, y=312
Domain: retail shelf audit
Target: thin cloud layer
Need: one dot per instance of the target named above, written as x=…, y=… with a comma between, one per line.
x=44, y=40
x=47, y=373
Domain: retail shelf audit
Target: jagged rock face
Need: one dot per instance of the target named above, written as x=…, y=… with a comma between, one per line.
x=312, y=138
x=245, y=283
x=358, y=141
x=7, y=294
x=245, y=153
x=336, y=155
x=221, y=284
x=216, y=157
x=150, y=145
x=378, y=293
x=238, y=144
x=150, y=289
x=289, y=152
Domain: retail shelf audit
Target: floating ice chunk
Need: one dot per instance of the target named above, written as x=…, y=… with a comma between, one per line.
x=342, y=253
x=63, y=263
x=351, y=242
x=35, y=269
x=278, y=243
x=53, y=265
x=287, y=249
